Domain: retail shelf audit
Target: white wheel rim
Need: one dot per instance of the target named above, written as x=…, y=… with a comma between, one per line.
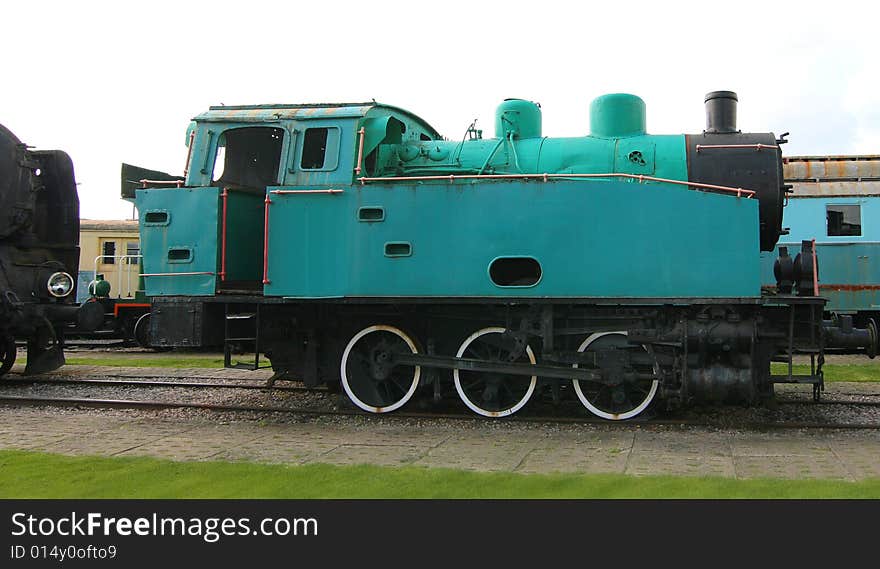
x=604, y=414
x=345, y=384
x=470, y=404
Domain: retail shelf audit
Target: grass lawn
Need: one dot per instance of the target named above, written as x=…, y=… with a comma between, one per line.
x=835, y=372
x=867, y=372
x=39, y=475
x=169, y=360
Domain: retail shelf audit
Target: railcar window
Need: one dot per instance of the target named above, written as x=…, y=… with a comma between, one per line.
x=108, y=250
x=320, y=149
x=844, y=220
x=132, y=250
x=248, y=157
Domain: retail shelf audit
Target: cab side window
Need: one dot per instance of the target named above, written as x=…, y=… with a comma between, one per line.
x=320, y=149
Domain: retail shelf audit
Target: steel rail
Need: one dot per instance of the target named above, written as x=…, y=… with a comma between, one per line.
x=154, y=383
x=825, y=401
x=141, y=404
x=134, y=382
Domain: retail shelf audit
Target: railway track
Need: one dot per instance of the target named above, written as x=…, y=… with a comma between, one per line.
x=140, y=381
x=98, y=403
x=129, y=381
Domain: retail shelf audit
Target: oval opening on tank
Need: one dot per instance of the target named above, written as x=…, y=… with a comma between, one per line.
x=515, y=271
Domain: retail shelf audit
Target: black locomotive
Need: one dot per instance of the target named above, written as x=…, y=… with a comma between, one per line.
x=39, y=253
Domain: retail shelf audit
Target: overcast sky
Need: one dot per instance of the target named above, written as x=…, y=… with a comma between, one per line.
x=119, y=81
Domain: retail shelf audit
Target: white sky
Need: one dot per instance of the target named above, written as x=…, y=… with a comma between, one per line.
x=119, y=81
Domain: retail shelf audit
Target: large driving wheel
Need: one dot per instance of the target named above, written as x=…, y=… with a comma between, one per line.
x=7, y=354
x=494, y=394
x=370, y=377
x=619, y=399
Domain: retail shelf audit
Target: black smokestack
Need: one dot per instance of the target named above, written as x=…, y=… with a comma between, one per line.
x=721, y=112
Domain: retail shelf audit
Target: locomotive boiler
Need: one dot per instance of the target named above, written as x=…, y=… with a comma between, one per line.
x=39, y=253
x=354, y=246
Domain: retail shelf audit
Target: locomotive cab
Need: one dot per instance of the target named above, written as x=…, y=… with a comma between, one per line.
x=244, y=164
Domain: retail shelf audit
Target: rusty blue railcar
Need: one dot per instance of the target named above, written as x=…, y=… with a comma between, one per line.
x=835, y=200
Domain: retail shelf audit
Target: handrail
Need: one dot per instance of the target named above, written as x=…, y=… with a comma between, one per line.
x=815, y=271
x=740, y=192
x=178, y=183
x=192, y=137
x=268, y=202
x=177, y=274
x=756, y=147
x=360, y=156
x=289, y=192
x=119, y=272
x=224, y=198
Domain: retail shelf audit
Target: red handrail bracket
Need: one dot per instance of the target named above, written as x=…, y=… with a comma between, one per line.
x=268, y=202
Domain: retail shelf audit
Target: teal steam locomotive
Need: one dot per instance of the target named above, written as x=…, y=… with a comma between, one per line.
x=354, y=246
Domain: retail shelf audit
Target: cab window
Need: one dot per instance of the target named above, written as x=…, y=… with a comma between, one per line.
x=248, y=157
x=320, y=149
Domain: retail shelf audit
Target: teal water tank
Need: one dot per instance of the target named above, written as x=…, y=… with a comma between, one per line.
x=617, y=115
x=521, y=117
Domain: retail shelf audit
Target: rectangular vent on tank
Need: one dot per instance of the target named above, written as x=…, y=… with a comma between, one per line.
x=398, y=249
x=180, y=255
x=371, y=214
x=156, y=218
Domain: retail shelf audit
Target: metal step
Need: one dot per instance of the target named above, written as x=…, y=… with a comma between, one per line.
x=253, y=318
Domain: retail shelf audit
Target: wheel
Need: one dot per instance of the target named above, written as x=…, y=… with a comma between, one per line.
x=142, y=334
x=370, y=378
x=493, y=394
x=142, y=331
x=622, y=399
x=7, y=354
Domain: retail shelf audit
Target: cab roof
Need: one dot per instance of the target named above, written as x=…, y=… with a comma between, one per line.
x=270, y=113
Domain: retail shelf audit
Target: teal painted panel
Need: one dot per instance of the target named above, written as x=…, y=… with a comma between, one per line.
x=599, y=239
x=191, y=226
